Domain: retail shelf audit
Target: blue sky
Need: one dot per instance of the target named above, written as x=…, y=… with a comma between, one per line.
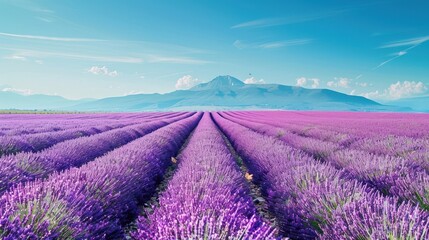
x=94, y=49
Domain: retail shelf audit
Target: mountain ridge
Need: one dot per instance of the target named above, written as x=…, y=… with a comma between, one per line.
x=11, y=100
x=227, y=92
x=221, y=93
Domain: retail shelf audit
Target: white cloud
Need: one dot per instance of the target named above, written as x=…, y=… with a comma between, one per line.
x=398, y=90
x=38, y=61
x=305, y=82
x=186, y=82
x=340, y=82
x=253, y=80
x=16, y=90
x=102, y=71
x=362, y=84
x=113, y=73
x=316, y=83
x=374, y=95
x=406, y=89
x=401, y=53
x=142, y=77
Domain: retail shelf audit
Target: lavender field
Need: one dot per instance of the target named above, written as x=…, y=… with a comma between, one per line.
x=214, y=175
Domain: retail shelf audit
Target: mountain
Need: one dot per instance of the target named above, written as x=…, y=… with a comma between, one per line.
x=11, y=100
x=220, y=83
x=419, y=104
x=226, y=92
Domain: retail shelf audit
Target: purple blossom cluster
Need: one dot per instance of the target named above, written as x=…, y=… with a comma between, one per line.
x=207, y=198
x=94, y=200
x=24, y=167
x=310, y=197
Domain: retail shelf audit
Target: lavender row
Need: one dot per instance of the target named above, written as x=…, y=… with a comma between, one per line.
x=27, y=125
x=25, y=167
x=343, y=139
x=414, y=151
x=357, y=124
x=92, y=201
x=405, y=178
x=207, y=198
x=312, y=200
x=401, y=146
x=36, y=142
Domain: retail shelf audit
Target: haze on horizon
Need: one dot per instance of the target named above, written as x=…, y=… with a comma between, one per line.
x=96, y=49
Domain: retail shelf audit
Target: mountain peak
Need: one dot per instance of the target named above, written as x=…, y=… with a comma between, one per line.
x=227, y=80
x=220, y=82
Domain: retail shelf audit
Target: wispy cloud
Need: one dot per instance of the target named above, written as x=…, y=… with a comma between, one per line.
x=16, y=57
x=178, y=60
x=269, y=45
x=145, y=51
x=31, y=6
x=410, y=43
x=43, y=54
x=270, y=22
x=267, y=22
x=47, y=20
x=17, y=90
x=395, y=56
x=61, y=39
x=22, y=54
x=406, y=42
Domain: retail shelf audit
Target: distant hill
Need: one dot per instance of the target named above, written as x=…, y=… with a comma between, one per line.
x=226, y=92
x=11, y=100
x=419, y=104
